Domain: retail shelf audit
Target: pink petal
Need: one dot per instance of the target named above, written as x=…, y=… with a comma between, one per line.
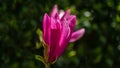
x=77, y=35
x=56, y=16
x=46, y=29
x=61, y=13
x=55, y=36
x=66, y=14
x=72, y=22
x=54, y=11
x=64, y=39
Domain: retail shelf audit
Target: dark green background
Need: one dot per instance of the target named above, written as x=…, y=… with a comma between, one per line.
x=99, y=48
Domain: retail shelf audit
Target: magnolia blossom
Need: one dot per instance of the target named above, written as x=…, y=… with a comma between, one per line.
x=58, y=31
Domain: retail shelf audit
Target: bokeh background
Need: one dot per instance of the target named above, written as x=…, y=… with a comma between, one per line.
x=98, y=48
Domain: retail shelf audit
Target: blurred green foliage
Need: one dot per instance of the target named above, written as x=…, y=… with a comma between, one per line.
x=99, y=48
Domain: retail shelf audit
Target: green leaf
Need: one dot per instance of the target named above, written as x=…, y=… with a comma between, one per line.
x=38, y=45
x=39, y=32
x=40, y=58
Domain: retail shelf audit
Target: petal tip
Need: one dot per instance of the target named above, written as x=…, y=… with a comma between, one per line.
x=77, y=35
x=82, y=30
x=54, y=11
x=55, y=6
x=46, y=15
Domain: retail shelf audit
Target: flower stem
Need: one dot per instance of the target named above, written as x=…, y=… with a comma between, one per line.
x=47, y=65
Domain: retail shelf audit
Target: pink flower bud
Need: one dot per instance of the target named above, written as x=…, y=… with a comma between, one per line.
x=58, y=31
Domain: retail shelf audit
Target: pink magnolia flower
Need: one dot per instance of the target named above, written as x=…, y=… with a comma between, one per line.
x=58, y=31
